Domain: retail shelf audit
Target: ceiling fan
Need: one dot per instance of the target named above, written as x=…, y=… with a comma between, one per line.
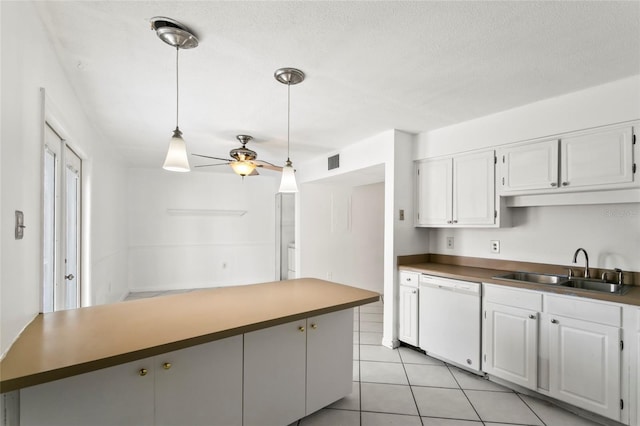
x=243, y=160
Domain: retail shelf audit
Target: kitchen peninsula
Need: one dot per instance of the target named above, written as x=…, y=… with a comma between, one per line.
x=233, y=351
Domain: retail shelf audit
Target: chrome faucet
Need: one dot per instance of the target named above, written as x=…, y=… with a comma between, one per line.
x=586, y=259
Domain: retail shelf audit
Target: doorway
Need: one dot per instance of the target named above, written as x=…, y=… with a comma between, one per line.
x=62, y=177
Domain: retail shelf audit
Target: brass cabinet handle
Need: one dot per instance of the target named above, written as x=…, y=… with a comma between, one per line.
x=314, y=326
x=554, y=184
x=565, y=183
x=554, y=321
x=143, y=372
x=166, y=365
x=301, y=329
x=532, y=316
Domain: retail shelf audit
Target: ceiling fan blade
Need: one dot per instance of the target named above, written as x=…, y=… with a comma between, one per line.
x=267, y=165
x=213, y=158
x=209, y=165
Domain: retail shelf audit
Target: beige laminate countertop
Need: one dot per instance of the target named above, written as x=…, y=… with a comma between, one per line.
x=65, y=343
x=476, y=274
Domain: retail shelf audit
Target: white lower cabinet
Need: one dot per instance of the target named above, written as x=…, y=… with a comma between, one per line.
x=511, y=344
x=510, y=334
x=294, y=369
x=200, y=385
x=408, y=308
x=584, y=364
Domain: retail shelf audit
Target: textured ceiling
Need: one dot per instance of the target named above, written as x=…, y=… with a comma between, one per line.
x=371, y=66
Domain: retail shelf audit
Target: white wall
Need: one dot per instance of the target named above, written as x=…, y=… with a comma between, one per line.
x=347, y=232
x=609, y=232
x=199, y=250
x=29, y=63
x=393, y=149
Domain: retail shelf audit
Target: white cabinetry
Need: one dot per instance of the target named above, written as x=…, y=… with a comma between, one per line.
x=584, y=354
x=294, y=369
x=580, y=161
x=510, y=334
x=408, y=307
x=200, y=385
x=456, y=191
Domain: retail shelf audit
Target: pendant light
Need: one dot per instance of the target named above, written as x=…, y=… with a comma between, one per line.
x=288, y=76
x=177, y=35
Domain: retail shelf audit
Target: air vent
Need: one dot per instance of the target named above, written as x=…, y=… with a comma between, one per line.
x=334, y=162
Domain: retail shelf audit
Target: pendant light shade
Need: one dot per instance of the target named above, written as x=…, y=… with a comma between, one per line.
x=288, y=182
x=177, y=35
x=177, y=159
x=288, y=76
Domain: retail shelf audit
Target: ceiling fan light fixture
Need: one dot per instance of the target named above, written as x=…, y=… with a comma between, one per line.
x=177, y=159
x=288, y=76
x=243, y=168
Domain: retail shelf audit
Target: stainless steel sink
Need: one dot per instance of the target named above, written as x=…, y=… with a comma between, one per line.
x=533, y=277
x=564, y=281
x=596, y=285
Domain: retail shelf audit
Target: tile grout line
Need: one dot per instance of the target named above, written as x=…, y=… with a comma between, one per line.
x=464, y=393
x=532, y=410
x=410, y=387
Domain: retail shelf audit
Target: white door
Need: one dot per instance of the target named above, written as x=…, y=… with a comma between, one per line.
x=275, y=374
x=408, y=312
x=112, y=396
x=598, y=158
x=62, y=177
x=433, y=192
x=329, y=358
x=474, y=189
x=200, y=385
x=511, y=344
x=584, y=364
x=529, y=166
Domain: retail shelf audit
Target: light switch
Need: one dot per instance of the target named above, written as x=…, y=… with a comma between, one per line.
x=19, y=225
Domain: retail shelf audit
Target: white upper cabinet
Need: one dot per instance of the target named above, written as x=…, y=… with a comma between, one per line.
x=434, y=192
x=580, y=161
x=456, y=191
x=474, y=198
x=598, y=158
x=530, y=166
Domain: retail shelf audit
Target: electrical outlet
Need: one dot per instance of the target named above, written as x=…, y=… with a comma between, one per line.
x=401, y=214
x=495, y=246
x=449, y=242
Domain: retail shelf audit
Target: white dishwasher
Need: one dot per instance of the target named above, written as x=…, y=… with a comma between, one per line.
x=450, y=320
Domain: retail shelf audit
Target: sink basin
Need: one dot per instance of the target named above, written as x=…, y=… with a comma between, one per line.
x=596, y=285
x=565, y=281
x=533, y=277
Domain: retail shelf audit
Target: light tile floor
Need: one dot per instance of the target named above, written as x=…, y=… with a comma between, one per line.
x=404, y=387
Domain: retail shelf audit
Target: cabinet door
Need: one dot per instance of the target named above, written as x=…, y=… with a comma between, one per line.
x=511, y=344
x=597, y=159
x=529, y=166
x=329, y=358
x=201, y=385
x=434, y=189
x=585, y=365
x=474, y=189
x=275, y=374
x=408, y=311
x=112, y=396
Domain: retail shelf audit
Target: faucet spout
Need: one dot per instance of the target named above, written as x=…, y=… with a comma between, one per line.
x=586, y=259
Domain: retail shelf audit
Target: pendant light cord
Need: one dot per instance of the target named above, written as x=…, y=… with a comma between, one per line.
x=177, y=86
x=288, y=119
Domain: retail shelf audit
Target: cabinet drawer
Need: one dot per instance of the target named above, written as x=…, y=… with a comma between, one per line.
x=513, y=297
x=585, y=310
x=409, y=278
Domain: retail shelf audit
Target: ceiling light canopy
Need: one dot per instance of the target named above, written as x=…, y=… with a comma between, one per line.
x=177, y=35
x=288, y=76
